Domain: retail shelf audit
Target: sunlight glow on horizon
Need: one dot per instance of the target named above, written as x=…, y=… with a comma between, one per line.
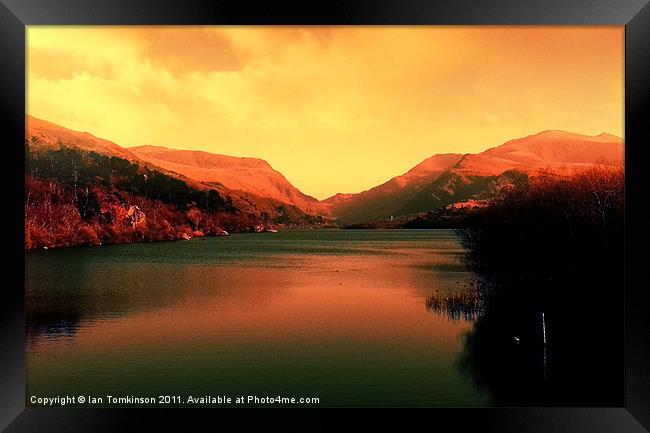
x=334, y=109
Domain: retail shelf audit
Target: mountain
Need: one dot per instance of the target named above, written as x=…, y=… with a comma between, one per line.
x=254, y=193
x=78, y=197
x=269, y=192
x=555, y=150
x=478, y=176
x=46, y=134
x=81, y=189
x=43, y=135
x=451, y=178
x=249, y=175
x=386, y=199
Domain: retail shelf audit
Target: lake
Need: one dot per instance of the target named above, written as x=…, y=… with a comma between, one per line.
x=335, y=314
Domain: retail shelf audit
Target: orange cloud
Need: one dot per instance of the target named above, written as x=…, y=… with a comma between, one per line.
x=181, y=50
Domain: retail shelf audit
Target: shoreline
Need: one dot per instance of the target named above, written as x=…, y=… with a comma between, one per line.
x=302, y=229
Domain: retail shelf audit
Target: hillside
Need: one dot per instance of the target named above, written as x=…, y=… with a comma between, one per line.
x=80, y=189
x=445, y=179
x=386, y=199
x=248, y=175
x=51, y=136
x=548, y=150
x=73, y=197
x=560, y=148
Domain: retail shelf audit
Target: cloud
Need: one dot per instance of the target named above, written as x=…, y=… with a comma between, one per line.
x=184, y=50
x=50, y=64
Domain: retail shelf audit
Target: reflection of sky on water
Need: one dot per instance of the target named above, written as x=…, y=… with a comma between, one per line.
x=345, y=323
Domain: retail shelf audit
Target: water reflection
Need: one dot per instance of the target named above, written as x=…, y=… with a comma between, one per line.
x=290, y=314
x=258, y=316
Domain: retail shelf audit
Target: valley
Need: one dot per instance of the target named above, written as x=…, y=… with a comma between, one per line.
x=84, y=190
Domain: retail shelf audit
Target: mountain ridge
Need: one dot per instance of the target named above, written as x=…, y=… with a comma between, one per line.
x=44, y=135
x=250, y=175
x=255, y=184
x=372, y=203
x=476, y=175
x=551, y=151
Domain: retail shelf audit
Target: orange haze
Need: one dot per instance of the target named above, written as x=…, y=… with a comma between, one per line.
x=335, y=109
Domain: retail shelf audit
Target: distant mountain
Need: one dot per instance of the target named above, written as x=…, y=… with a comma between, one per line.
x=452, y=178
x=386, y=199
x=248, y=175
x=480, y=175
x=554, y=150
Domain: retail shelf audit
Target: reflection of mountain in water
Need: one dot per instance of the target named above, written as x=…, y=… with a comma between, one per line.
x=89, y=290
x=59, y=309
x=40, y=329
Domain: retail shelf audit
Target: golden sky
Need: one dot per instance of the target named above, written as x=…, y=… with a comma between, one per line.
x=335, y=109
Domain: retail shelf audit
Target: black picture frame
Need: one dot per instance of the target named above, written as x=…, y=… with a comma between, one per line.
x=15, y=15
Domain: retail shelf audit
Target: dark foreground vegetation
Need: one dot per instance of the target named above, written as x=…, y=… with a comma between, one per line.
x=548, y=258
x=466, y=305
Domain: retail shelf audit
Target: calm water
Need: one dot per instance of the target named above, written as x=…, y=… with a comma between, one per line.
x=338, y=315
